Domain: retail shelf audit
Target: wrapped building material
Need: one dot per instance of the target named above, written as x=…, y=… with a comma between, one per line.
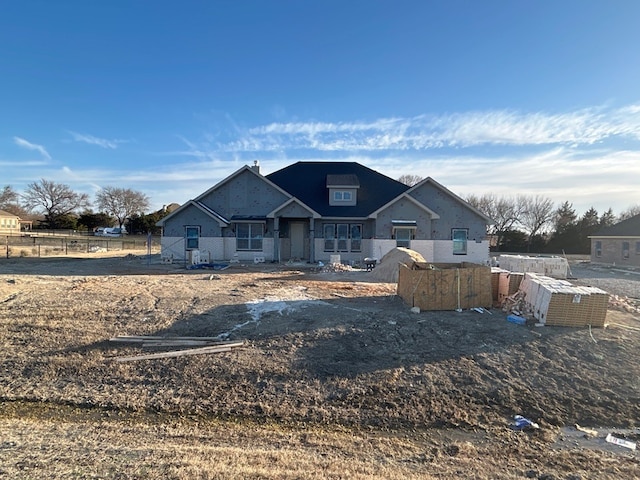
x=557, y=302
x=556, y=267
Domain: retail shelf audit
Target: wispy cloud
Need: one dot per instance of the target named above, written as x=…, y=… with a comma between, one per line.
x=21, y=142
x=91, y=140
x=22, y=163
x=457, y=130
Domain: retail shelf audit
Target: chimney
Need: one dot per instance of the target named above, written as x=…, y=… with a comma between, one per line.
x=256, y=166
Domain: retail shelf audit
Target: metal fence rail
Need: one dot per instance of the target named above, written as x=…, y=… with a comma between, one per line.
x=60, y=245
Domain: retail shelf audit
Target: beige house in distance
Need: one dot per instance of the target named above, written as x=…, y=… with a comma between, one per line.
x=618, y=244
x=9, y=223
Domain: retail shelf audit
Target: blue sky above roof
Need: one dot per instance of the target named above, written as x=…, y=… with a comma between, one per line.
x=169, y=98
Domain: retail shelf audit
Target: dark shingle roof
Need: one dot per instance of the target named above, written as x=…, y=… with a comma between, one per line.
x=626, y=228
x=342, y=181
x=307, y=181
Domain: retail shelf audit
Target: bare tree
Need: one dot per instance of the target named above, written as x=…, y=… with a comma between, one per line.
x=504, y=211
x=55, y=200
x=632, y=211
x=8, y=197
x=121, y=203
x=537, y=212
x=409, y=179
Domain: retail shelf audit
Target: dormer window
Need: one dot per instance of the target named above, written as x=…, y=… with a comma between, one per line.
x=342, y=196
x=343, y=189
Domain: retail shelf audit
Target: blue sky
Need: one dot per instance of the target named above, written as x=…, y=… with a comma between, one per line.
x=168, y=98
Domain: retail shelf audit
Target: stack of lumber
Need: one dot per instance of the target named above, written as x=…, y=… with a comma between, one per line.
x=557, y=302
x=203, y=344
x=556, y=267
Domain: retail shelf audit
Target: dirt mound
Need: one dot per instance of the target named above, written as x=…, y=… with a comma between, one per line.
x=387, y=270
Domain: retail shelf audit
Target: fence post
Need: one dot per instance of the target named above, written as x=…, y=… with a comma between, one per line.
x=7, y=240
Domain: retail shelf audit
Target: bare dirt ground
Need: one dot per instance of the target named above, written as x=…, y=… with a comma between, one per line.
x=337, y=378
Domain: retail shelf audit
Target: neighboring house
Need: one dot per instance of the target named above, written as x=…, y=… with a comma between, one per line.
x=9, y=223
x=618, y=244
x=311, y=211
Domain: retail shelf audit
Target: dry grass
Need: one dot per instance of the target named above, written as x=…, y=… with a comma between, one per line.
x=348, y=384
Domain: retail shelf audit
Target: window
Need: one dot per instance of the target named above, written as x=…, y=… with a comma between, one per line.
x=342, y=237
x=403, y=237
x=356, y=237
x=329, y=237
x=342, y=196
x=625, y=249
x=598, y=248
x=459, y=237
x=249, y=236
x=637, y=248
x=192, y=235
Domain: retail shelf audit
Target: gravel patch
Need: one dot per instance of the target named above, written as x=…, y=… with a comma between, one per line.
x=614, y=280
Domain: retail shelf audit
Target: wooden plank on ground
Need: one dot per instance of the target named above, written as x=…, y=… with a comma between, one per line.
x=177, y=353
x=140, y=338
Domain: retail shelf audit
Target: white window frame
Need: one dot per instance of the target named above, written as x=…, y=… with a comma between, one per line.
x=335, y=239
x=459, y=244
x=625, y=249
x=342, y=196
x=192, y=237
x=598, y=248
x=400, y=234
x=254, y=238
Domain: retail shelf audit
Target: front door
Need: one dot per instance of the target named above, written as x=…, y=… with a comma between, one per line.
x=296, y=233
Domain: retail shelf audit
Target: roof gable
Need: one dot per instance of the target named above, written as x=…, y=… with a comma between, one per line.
x=432, y=214
x=4, y=213
x=309, y=182
x=448, y=192
x=223, y=222
x=292, y=204
x=226, y=180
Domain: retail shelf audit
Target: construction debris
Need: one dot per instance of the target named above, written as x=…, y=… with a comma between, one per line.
x=624, y=303
x=337, y=267
x=589, y=431
x=205, y=344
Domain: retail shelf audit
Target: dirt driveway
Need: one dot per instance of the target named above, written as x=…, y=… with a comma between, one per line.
x=326, y=349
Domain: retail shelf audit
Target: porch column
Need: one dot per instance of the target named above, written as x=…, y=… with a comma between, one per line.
x=276, y=239
x=312, y=241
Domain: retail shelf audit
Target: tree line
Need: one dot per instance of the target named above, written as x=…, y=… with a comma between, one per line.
x=526, y=223
x=53, y=205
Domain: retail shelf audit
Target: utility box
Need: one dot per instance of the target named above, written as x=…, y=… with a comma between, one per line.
x=445, y=286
